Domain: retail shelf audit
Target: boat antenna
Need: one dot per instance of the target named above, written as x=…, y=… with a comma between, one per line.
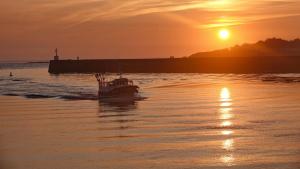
x=120, y=70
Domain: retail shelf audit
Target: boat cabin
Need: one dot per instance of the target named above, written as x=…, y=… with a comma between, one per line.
x=120, y=86
x=121, y=82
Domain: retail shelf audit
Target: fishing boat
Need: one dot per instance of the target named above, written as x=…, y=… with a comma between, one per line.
x=117, y=88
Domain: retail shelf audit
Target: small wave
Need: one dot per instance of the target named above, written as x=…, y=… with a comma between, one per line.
x=236, y=127
x=124, y=136
x=287, y=135
x=279, y=79
x=170, y=85
x=115, y=115
x=9, y=79
x=17, y=80
x=37, y=96
x=262, y=121
x=43, y=96
x=79, y=97
x=200, y=128
x=123, y=121
x=10, y=94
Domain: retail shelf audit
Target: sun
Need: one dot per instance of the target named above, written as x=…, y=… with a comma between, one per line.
x=224, y=34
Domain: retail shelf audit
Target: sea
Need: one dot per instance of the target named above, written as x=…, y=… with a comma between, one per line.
x=183, y=121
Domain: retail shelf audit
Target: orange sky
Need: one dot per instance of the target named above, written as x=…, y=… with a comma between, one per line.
x=31, y=29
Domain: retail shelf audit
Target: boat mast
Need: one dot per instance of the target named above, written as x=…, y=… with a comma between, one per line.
x=101, y=81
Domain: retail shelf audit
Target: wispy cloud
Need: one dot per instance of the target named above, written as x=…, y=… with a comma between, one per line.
x=216, y=12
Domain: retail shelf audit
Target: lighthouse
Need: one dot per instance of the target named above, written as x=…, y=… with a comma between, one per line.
x=56, y=57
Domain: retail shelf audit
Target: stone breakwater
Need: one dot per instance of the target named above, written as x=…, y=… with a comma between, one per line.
x=180, y=65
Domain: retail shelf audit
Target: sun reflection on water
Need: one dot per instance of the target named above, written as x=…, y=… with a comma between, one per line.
x=225, y=95
x=228, y=144
x=226, y=115
x=225, y=104
x=228, y=159
x=226, y=132
x=225, y=110
x=226, y=123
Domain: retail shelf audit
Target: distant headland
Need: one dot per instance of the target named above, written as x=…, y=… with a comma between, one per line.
x=269, y=56
x=268, y=48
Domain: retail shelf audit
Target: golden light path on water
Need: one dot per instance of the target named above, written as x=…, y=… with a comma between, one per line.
x=225, y=114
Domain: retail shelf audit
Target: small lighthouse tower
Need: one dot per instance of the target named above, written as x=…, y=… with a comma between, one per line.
x=56, y=57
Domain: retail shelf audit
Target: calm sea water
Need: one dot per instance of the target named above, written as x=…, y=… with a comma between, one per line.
x=186, y=121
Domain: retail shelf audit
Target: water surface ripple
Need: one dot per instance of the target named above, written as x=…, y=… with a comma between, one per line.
x=187, y=121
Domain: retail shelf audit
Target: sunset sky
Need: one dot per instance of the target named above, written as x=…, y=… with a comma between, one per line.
x=32, y=29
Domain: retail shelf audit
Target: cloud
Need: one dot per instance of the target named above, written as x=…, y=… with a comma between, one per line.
x=207, y=13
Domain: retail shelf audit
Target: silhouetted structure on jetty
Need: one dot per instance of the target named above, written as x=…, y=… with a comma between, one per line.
x=180, y=65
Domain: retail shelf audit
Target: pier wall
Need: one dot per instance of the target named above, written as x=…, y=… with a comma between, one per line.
x=180, y=65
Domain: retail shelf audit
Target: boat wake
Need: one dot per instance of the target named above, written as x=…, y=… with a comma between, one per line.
x=37, y=90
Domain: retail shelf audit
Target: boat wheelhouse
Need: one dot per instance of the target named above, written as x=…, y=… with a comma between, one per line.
x=119, y=87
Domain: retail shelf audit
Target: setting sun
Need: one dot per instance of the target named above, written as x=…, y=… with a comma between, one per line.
x=224, y=34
